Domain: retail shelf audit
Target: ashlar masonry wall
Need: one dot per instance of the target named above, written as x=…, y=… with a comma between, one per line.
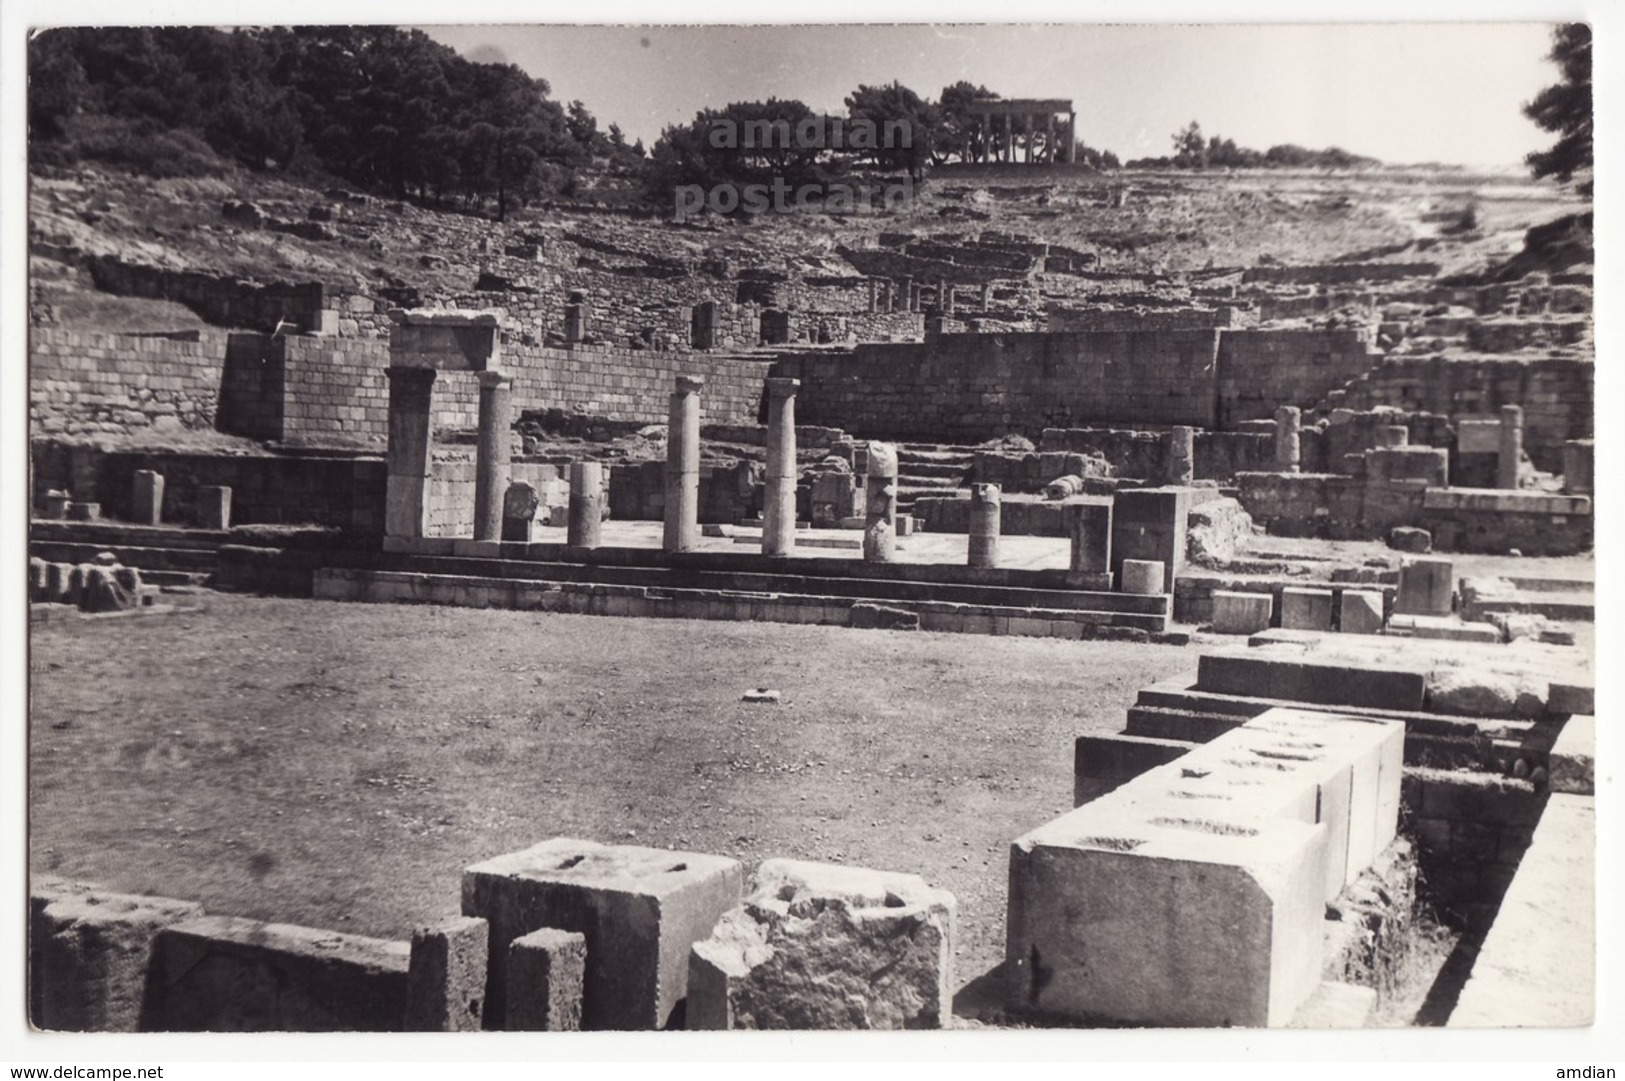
x=971, y=387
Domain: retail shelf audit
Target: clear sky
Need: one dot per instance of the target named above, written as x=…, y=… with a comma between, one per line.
x=1401, y=93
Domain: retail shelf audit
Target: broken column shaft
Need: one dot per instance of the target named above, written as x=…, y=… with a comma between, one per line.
x=880, y=515
x=1506, y=474
x=1287, y=421
x=985, y=507
x=586, y=504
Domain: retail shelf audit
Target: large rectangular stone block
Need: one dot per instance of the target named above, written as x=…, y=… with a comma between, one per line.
x=1259, y=673
x=1241, y=613
x=1088, y=524
x=639, y=908
x=821, y=946
x=1305, y=608
x=89, y=953
x=1194, y=894
x=1427, y=587
x=1150, y=523
x=225, y=974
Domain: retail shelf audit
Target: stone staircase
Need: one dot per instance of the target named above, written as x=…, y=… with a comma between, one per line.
x=930, y=469
x=165, y=555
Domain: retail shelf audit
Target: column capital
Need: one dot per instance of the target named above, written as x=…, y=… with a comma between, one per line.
x=492, y=379
x=410, y=377
x=781, y=386
x=690, y=384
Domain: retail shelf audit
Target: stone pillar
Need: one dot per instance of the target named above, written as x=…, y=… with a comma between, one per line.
x=948, y=298
x=905, y=286
x=779, y=502
x=1049, y=139
x=985, y=504
x=1009, y=153
x=147, y=502
x=874, y=295
x=410, y=392
x=987, y=295
x=213, y=507
x=1506, y=472
x=1031, y=131
x=683, y=466
x=1578, y=466
x=1181, y=455
x=519, y=504
x=1287, y=421
x=494, y=455
x=880, y=514
x=576, y=319
x=586, y=505
x=1071, y=138
x=1088, y=525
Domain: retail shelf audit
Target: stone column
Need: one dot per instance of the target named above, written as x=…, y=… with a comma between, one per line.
x=683, y=466
x=1050, y=156
x=985, y=506
x=947, y=290
x=410, y=392
x=586, y=505
x=1031, y=131
x=874, y=295
x=147, y=502
x=1287, y=421
x=987, y=295
x=880, y=513
x=493, y=460
x=1009, y=153
x=1181, y=455
x=779, y=503
x=905, y=287
x=1506, y=472
x=1071, y=138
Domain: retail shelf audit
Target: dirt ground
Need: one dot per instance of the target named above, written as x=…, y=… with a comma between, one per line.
x=337, y=765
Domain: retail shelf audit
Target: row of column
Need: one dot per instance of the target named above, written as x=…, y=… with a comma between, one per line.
x=1029, y=128
x=905, y=294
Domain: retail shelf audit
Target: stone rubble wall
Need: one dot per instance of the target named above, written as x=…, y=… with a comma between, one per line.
x=88, y=383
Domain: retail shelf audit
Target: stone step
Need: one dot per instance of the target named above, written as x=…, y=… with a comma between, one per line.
x=908, y=471
x=1148, y=610
x=144, y=558
x=597, y=598
x=109, y=534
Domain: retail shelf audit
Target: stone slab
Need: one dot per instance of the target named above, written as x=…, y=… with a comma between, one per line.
x=225, y=974
x=1443, y=628
x=1537, y=965
x=547, y=970
x=1143, y=576
x=1261, y=673
x=639, y=908
x=1504, y=501
x=823, y=946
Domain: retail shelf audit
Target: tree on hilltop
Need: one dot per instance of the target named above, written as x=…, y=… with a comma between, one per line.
x=1566, y=109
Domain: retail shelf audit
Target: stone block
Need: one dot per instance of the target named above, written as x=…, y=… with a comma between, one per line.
x=1143, y=576
x=1259, y=673
x=1404, y=538
x=1151, y=523
x=147, y=497
x=639, y=908
x=84, y=512
x=89, y=955
x=1306, y=609
x=212, y=507
x=1241, y=613
x=225, y=974
x=882, y=617
x=546, y=973
x=821, y=946
x=1427, y=587
x=1444, y=628
x=1103, y=763
x=1483, y=692
x=1088, y=525
x=445, y=981
x=1572, y=767
x=1359, y=611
